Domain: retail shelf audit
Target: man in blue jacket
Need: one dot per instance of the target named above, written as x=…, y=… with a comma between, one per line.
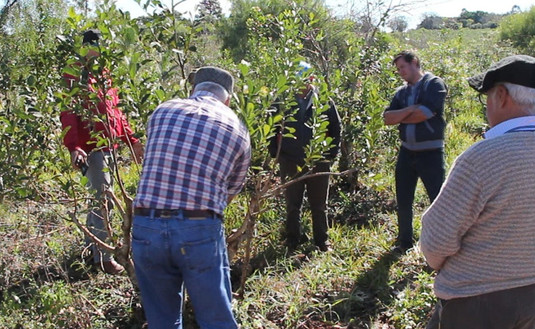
x=290, y=153
x=418, y=110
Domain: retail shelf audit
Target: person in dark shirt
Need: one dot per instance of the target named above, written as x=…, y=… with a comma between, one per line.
x=290, y=153
x=418, y=110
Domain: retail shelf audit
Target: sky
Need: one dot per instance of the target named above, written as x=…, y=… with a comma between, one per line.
x=444, y=8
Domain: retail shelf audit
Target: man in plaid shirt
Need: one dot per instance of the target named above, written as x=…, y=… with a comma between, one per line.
x=197, y=156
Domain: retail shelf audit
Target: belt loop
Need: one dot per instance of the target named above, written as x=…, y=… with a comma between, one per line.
x=152, y=211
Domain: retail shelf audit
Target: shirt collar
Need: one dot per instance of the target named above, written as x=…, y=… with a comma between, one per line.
x=504, y=127
x=203, y=93
x=417, y=82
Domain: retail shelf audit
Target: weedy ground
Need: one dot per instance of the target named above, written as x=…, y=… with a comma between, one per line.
x=46, y=282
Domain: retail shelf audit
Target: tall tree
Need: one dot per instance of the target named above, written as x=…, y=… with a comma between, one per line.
x=371, y=16
x=209, y=10
x=516, y=9
x=476, y=16
x=29, y=69
x=4, y=12
x=398, y=23
x=431, y=22
x=235, y=33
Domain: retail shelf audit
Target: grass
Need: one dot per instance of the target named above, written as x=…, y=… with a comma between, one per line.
x=360, y=284
x=45, y=283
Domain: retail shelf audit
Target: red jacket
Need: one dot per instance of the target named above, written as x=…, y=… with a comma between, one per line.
x=79, y=134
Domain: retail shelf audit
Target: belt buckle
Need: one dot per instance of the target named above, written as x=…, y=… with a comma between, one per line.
x=166, y=213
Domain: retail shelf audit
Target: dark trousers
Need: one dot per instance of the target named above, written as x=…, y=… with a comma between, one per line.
x=429, y=167
x=506, y=309
x=317, y=191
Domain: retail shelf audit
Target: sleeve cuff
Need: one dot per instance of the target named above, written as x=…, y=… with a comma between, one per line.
x=434, y=261
x=426, y=111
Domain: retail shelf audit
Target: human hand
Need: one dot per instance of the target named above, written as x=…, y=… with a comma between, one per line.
x=139, y=151
x=78, y=158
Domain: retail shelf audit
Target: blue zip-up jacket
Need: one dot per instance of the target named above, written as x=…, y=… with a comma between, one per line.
x=430, y=94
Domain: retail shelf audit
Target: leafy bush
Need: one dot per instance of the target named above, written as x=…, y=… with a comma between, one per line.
x=519, y=29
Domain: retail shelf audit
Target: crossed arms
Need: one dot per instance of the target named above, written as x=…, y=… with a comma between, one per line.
x=409, y=114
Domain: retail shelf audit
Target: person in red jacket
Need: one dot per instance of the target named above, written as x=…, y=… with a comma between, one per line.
x=101, y=118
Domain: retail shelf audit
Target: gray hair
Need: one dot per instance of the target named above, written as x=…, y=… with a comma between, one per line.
x=522, y=95
x=219, y=91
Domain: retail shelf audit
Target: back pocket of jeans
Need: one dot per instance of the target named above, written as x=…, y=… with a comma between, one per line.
x=142, y=248
x=200, y=255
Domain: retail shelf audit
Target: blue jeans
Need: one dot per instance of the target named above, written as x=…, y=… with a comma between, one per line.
x=429, y=166
x=174, y=253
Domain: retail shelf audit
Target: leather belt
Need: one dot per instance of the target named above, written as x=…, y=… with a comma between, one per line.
x=167, y=213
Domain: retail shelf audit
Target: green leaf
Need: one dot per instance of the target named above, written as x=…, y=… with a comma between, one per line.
x=31, y=80
x=250, y=107
x=266, y=129
x=244, y=67
x=72, y=70
x=102, y=142
x=281, y=83
x=290, y=129
x=132, y=69
x=23, y=192
x=130, y=36
x=160, y=94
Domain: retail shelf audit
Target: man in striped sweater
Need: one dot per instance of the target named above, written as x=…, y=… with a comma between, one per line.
x=479, y=233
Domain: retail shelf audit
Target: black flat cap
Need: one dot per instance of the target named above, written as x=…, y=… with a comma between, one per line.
x=216, y=75
x=517, y=69
x=91, y=36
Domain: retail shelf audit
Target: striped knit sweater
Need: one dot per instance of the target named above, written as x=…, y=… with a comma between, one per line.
x=480, y=231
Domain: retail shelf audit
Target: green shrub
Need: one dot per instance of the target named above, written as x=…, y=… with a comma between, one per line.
x=519, y=29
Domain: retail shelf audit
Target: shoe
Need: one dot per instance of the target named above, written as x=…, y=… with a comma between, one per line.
x=112, y=267
x=324, y=247
x=400, y=249
x=291, y=245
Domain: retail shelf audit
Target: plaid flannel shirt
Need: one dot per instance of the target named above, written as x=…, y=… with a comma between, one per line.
x=197, y=155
